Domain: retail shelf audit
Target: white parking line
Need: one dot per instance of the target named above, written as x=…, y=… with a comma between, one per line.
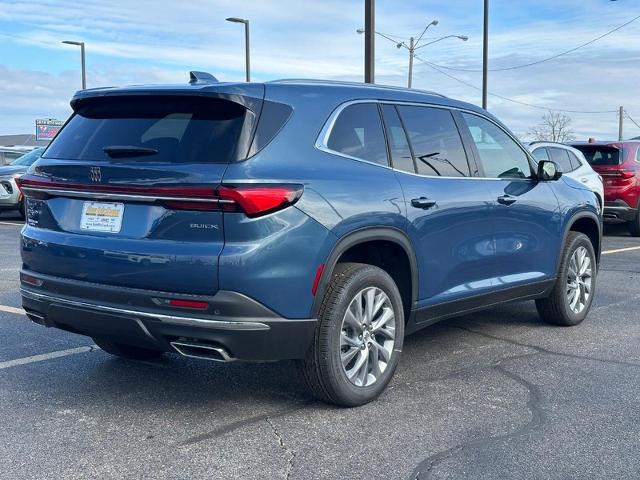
x=17, y=224
x=8, y=309
x=618, y=250
x=46, y=356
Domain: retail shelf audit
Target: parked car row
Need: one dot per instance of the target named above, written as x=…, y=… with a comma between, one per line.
x=11, y=199
x=610, y=169
x=618, y=163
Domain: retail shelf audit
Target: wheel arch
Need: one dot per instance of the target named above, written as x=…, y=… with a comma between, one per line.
x=361, y=238
x=589, y=224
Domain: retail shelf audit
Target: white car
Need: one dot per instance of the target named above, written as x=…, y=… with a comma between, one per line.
x=572, y=163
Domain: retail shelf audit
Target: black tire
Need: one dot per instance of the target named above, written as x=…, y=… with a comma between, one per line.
x=322, y=369
x=634, y=225
x=556, y=309
x=127, y=351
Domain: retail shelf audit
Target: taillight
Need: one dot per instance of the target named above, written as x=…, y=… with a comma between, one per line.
x=626, y=174
x=256, y=200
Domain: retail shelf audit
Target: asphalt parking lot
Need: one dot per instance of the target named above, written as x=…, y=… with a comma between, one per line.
x=491, y=395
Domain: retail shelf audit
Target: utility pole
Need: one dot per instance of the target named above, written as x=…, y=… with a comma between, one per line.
x=485, y=54
x=411, y=53
x=369, y=40
x=621, y=124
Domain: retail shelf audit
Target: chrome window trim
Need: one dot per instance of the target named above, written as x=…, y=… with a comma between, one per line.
x=325, y=132
x=173, y=319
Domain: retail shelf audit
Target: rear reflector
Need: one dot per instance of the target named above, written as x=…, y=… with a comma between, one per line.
x=36, y=282
x=176, y=302
x=316, y=280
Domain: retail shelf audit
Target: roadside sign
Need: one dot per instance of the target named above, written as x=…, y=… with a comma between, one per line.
x=47, y=128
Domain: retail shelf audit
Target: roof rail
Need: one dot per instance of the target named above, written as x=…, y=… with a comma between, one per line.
x=201, y=77
x=547, y=141
x=354, y=84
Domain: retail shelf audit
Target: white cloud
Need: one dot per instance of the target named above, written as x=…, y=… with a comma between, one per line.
x=151, y=41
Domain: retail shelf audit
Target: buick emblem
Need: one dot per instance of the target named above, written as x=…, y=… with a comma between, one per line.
x=95, y=175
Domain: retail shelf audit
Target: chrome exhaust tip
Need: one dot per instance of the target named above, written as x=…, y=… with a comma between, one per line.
x=202, y=351
x=36, y=318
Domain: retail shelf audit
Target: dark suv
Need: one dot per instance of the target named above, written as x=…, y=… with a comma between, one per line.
x=619, y=165
x=302, y=220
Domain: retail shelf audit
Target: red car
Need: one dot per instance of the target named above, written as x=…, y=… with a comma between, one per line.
x=619, y=165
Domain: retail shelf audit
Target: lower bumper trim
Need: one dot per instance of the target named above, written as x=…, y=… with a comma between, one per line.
x=173, y=319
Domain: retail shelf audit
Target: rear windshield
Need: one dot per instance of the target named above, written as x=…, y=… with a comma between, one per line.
x=601, y=154
x=171, y=129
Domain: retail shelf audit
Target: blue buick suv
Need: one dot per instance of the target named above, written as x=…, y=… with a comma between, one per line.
x=307, y=220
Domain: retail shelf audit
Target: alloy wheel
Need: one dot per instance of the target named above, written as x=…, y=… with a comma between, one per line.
x=579, y=277
x=367, y=336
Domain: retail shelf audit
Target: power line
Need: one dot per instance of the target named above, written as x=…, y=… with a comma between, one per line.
x=632, y=120
x=537, y=62
x=470, y=85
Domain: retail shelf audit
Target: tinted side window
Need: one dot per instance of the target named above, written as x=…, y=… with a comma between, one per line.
x=540, y=154
x=562, y=159
x=398, y=145
x=357, y=132
x=500, y=155
x=435, y=140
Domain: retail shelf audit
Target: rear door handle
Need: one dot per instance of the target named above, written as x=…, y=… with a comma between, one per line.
x=423, y=202
x=507, y=200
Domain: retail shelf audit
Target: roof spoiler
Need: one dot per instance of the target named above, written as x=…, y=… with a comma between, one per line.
x=196, y=78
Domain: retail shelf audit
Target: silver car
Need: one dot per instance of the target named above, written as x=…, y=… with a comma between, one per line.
x=572, y=163
x=10, y=197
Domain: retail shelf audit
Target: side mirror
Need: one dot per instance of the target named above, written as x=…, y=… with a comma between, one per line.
x=548, y=170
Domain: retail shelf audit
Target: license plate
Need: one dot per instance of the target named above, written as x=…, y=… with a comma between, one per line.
x=102, y=217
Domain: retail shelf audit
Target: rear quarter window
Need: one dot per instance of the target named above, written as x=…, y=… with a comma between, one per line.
x=181, y=129
x=357, y=132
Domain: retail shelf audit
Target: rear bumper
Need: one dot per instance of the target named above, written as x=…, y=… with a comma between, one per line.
x=618, y=211
x=244, y=328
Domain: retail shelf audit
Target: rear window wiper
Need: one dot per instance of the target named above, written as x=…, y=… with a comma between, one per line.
x=116, y=151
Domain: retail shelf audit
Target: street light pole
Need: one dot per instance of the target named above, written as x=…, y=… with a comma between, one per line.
x=414, y=44
x=247, y=47
x=411, y=53
x=485, y=54
x=369, y=41
x=82, y=60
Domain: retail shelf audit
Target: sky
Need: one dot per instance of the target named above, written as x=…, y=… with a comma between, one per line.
x=160, y=41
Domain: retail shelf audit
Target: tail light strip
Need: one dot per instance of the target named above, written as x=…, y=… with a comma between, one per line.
x=253, y=200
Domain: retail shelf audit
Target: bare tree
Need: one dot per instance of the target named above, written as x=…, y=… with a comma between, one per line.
x=555, y=127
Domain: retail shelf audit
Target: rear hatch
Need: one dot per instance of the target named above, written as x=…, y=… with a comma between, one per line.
x=608, y=161
x=126, y=194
